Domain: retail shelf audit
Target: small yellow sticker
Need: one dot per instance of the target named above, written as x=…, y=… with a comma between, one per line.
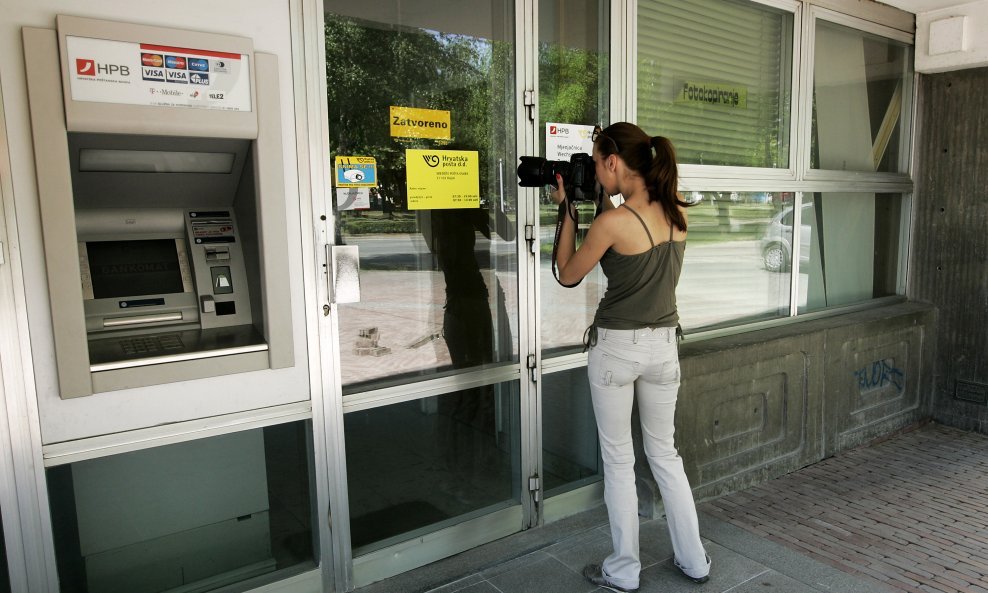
x=410, y=122
x=442, y=179
x=356, y=171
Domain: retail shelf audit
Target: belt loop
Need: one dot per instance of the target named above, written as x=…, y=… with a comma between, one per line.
x=634, y=336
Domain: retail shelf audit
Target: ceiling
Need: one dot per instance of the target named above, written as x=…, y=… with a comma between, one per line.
x=916, y=6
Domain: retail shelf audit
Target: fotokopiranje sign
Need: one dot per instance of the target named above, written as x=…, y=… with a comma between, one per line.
x=711, y=93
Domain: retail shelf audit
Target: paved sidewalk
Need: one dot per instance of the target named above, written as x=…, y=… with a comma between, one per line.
x=910, y=512
x=907, y=514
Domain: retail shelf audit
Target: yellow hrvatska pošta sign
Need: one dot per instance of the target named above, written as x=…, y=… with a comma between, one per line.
x=409, y=122
x=442, y=179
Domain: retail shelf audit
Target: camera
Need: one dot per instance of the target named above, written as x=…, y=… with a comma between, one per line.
x=578, y=174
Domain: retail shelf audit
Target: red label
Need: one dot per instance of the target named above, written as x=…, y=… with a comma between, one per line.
x=85, y=67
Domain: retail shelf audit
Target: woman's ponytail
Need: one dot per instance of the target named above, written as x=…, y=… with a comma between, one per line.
x=654, y=159
x=663, y=181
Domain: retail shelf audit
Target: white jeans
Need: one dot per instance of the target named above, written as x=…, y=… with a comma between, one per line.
x=645, y=362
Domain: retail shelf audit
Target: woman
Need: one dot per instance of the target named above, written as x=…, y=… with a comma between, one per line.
x=633, y=341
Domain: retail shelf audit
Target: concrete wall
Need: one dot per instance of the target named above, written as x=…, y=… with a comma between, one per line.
x=952, y=38
x=950, y=245
x=762, y=404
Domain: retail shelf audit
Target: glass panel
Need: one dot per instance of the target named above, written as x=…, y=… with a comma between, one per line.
x=198, y=516
x=573, y=89
x=737, y=259
x=859, y=84
x=4, y=572
x=851, y=246
x=423, y=465
x=714, y=76
x=438, y=266
x=570, y=451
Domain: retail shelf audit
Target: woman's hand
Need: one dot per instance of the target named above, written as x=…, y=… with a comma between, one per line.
x=559, y=193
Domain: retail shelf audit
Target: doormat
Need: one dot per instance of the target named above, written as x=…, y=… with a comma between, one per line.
x=400, y=518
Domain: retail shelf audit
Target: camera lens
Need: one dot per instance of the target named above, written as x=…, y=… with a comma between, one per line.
x=536, y=171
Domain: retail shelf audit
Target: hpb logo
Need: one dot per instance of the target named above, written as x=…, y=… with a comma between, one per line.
x=87, y=67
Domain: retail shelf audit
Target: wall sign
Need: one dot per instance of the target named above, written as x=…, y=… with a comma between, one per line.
x=442, y=179
x=356, y=171
x=352, y=198
x=105, y=71
x=713, y=94
x=410, y=122
x=565, y=140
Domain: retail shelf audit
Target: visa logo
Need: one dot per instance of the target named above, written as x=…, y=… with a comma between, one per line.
x=199, y=64
x=177, y=76
x=196, y=78
x=153, y=74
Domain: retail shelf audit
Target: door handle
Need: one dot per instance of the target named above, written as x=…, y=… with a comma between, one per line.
x=343, y=271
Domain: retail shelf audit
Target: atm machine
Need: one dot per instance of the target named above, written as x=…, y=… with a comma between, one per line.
x=162, y=205
x=161, y=188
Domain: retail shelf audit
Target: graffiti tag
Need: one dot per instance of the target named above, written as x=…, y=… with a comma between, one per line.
x=879, y=374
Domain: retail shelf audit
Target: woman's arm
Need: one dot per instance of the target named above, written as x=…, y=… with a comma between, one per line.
x=574, y=264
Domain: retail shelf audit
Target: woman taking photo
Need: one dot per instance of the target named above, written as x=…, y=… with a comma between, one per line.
x=633, y=340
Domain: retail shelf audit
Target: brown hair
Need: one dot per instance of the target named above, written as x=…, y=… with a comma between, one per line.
x=658, y=169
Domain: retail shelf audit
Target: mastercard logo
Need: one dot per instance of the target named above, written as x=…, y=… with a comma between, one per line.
x=154, y=60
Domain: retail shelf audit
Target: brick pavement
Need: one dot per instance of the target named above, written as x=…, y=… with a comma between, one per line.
x=910, y=512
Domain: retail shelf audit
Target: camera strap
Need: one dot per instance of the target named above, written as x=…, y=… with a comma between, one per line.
x=564, y=210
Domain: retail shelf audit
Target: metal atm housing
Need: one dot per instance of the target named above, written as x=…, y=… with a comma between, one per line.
x=164, y=225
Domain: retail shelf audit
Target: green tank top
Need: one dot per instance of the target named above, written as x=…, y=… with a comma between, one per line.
x=641, y=288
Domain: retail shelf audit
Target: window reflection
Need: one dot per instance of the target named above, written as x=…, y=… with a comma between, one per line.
x=420, y=466
x=737, y=265
x=192, y=516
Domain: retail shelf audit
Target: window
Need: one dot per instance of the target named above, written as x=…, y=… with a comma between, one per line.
x=861, y=82
x=737, y=265
x=714, y=77
x=438, y=281
x=849, y=246
x=193, y=516
x=573, y=89
x=420, y=466
x=774, y=235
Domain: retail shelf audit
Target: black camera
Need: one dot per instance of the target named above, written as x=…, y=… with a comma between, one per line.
x=578, y=174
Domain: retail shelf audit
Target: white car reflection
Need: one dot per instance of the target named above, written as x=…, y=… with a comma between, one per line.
x=777, y=240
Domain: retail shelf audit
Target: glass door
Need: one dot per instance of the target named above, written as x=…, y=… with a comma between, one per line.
x=422, y=137
x=573, y=70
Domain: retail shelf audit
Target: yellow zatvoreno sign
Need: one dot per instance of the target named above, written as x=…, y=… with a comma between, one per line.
x=409, y=122
x=442, y=179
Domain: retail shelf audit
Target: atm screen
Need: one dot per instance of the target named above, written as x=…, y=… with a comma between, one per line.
x=134, y=268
